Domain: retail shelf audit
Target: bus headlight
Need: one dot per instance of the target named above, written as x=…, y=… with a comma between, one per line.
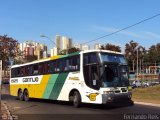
x=108, y=92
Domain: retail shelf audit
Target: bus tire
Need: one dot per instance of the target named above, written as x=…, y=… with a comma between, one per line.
x=76, y=99
x=26, y=95
x=20, y=95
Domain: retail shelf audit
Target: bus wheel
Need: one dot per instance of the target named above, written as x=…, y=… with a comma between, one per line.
x=26, y=95
x=76, y=99
x=20, y=95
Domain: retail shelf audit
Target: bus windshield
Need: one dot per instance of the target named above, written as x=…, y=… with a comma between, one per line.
x=115, y=76
x=115, y=70
x=105, y=69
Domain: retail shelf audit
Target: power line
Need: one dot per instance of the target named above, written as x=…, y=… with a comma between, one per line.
x=123, y=28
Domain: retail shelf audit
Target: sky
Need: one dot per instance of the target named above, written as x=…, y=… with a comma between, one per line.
x=82, y=20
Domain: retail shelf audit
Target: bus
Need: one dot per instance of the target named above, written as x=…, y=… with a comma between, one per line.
x=91, y=76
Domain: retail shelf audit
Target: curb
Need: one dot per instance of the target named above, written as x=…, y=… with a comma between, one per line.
x=149, y=104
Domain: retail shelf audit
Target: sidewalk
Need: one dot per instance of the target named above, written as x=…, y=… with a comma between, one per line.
x=5, y=113
x=149, y=104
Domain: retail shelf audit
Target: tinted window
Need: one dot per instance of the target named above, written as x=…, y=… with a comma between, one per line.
x=90, y=58
x=54, y=66
x=113, y=58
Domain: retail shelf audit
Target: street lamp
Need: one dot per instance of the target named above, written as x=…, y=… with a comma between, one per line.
x=48, y=39
x=52, y=41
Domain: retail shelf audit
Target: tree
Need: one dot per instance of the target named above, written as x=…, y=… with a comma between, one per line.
x=72, y=50
x=69, y=51
x=8, y=49
x=63, y=52
x=30, y=58
x=153, y=55
x=111, y=47
x=132, y=51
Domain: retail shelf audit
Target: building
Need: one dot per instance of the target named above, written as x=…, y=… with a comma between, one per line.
x=97, y=46
x=58, y=39
x=52, y=52
x=55, y=51
x=77, y=46
x=45, y=54
x=85, y=47
x=29, y=50
x=58, y=44
x=33, y=49
x=66, y=43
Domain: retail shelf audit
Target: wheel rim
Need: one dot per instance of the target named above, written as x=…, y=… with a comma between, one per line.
x=26, y=96
x=20, y=95
x=75, y=100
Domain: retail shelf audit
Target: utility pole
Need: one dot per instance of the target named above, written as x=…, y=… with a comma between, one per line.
x=137, y=61
x=0, y=78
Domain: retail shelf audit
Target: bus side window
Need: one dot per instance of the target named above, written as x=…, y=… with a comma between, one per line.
x=61, y=65
x=93, y=58
x=35, y=71
x=52, y=66
x=26, y=71
x=30, y=68
x=21, y=71
x=48, y=65
x=86, y=60
x=13, y=72
x=18, y=72
x=78, y=62
x=40, y=68
x=90, y=58
x=57, y=68
x=67, y=65
x=46, y=68
x=64, y=66
x=74, y=63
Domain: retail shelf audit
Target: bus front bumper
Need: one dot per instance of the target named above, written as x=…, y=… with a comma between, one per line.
x=108, y=98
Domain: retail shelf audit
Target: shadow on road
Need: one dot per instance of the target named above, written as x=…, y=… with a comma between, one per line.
x=85, y=105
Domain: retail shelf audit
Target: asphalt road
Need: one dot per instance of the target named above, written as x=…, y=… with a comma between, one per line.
x=38, y=109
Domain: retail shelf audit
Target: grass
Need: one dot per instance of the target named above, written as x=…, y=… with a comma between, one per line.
x=150, y=94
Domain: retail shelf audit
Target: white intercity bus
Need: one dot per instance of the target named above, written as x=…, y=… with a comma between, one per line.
x=92, y=76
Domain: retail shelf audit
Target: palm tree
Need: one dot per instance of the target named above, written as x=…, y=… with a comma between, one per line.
x=130, y=53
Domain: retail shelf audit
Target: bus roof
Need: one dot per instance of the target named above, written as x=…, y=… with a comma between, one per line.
x=63, y=56
x=107, y=51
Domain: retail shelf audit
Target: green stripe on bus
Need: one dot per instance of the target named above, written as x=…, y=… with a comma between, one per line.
x=50, y=85
x=58, y=86
x=68, y=55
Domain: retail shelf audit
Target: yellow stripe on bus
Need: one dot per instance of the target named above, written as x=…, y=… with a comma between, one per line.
x=35, y=90
x=40, y=88
x=14, y=89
